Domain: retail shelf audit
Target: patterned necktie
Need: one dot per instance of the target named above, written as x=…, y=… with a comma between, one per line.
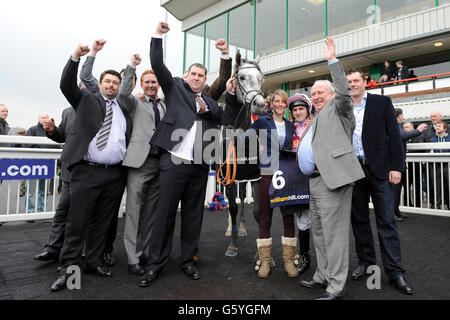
x=200, y=103
x=103, y=134
x=157, y=115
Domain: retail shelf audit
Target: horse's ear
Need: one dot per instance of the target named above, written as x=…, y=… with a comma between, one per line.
x=238, y=58
x=257, y=59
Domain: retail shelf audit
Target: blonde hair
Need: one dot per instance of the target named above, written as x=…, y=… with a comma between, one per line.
x=284, y=96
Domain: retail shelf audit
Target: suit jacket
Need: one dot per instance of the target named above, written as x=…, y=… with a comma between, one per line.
x=143, y=118
x=181, y=106
x=332, y=136
x=381, y=137
x=219, y=85
x=406, y=136
x=90, y=113
x=61, y=133
x=4, y=127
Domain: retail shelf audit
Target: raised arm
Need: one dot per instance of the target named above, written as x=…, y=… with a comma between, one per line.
x=86, y=71
x=68, y=84
x=126, y=87
x=163, y=74
x=219, y=85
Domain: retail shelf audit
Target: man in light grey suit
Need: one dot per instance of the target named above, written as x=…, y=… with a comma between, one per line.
x=142, y=162
x=326, y=155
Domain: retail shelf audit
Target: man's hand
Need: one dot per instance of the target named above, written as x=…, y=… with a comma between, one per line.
x=98, y=45
x=222, y=45
x=422, y=127
x=49, y=125
x=80, y=51
x=395, y=177
x=140, y=96
x=330, y=51
x=162, y=27
x=135, y=59
x=231, y=85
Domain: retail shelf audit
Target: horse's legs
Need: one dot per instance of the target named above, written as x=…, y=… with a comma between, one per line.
x=233, y=209
x=242, y=193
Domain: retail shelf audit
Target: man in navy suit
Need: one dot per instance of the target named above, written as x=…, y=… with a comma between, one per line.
x=183, y=169
x=378, y=146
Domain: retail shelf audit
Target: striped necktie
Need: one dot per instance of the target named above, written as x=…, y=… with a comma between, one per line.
x=103, y=134
x=200, y=103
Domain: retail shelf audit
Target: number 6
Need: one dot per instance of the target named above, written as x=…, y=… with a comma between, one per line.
x=278, y=181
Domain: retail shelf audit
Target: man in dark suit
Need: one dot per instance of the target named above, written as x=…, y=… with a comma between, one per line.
x=378, y=146
x=55, y=241
x=93, y=153
x=183, y=171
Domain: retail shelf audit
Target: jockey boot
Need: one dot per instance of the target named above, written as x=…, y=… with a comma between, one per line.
x=289, y=256
x=303, y=244
x=264, y=255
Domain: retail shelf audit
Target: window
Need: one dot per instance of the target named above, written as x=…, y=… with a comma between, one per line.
x=394, y=9
x=215, y=29
x=240, y=34
x=306, y=22
x=348, y=15
x=194, y=46
x=270, y=26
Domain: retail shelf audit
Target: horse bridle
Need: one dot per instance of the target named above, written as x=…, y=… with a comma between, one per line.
x=231, y=152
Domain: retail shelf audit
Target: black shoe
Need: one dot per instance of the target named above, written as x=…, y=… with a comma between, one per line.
x=99, y=271
x=312, y=284
x=148, y=278
x=398, y=218
x=328, y=296
x=108, y=260
x=401, y=285
x=136, y=269
x=359, y=272
x=191, y=271
x=47, y=256
x=143, y=260
x=60, y=283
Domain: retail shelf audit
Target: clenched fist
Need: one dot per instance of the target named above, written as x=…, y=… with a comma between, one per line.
x=162, y=27
x=222, y=45
x=135, y=59
x=80, y=51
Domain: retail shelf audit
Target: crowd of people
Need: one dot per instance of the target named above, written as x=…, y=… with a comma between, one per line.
x=343, y=144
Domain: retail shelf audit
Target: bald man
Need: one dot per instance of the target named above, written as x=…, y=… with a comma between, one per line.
x=430, y=132
x=4, y=126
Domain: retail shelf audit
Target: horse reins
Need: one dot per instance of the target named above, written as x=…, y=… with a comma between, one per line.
x=231, y=152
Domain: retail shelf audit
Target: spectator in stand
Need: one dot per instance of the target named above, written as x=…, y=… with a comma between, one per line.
x=435, y=117
x=414, y=173
x=4, y=126
x=441, y=169
x=412, y=75
x=36, y=131
x=388, y=73
x=405, y=136
x=403, y=71
x=371, y=83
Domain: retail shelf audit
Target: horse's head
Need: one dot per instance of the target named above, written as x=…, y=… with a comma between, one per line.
x=249, y=80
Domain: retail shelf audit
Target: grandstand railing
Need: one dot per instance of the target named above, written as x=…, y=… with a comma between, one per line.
x=420, y=156
x=430, y=82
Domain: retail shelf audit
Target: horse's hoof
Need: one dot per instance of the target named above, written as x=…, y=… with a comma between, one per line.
x=231, y=252
x=242, y=233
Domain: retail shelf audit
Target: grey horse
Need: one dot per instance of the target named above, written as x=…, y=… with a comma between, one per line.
x=248, y=99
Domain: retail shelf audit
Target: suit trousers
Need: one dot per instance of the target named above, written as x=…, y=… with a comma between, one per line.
x=185, y=183
x=56, y=238
x=330, y=226
x=142, y=201
x=95, y=195
x=383, y=201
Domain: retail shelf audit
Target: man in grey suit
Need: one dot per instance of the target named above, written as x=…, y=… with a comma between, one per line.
x=326, y=155
x=142, y=162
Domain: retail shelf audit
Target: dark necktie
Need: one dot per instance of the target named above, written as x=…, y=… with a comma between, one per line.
x=105, y=130
x=200, y=103
x=155, y=109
